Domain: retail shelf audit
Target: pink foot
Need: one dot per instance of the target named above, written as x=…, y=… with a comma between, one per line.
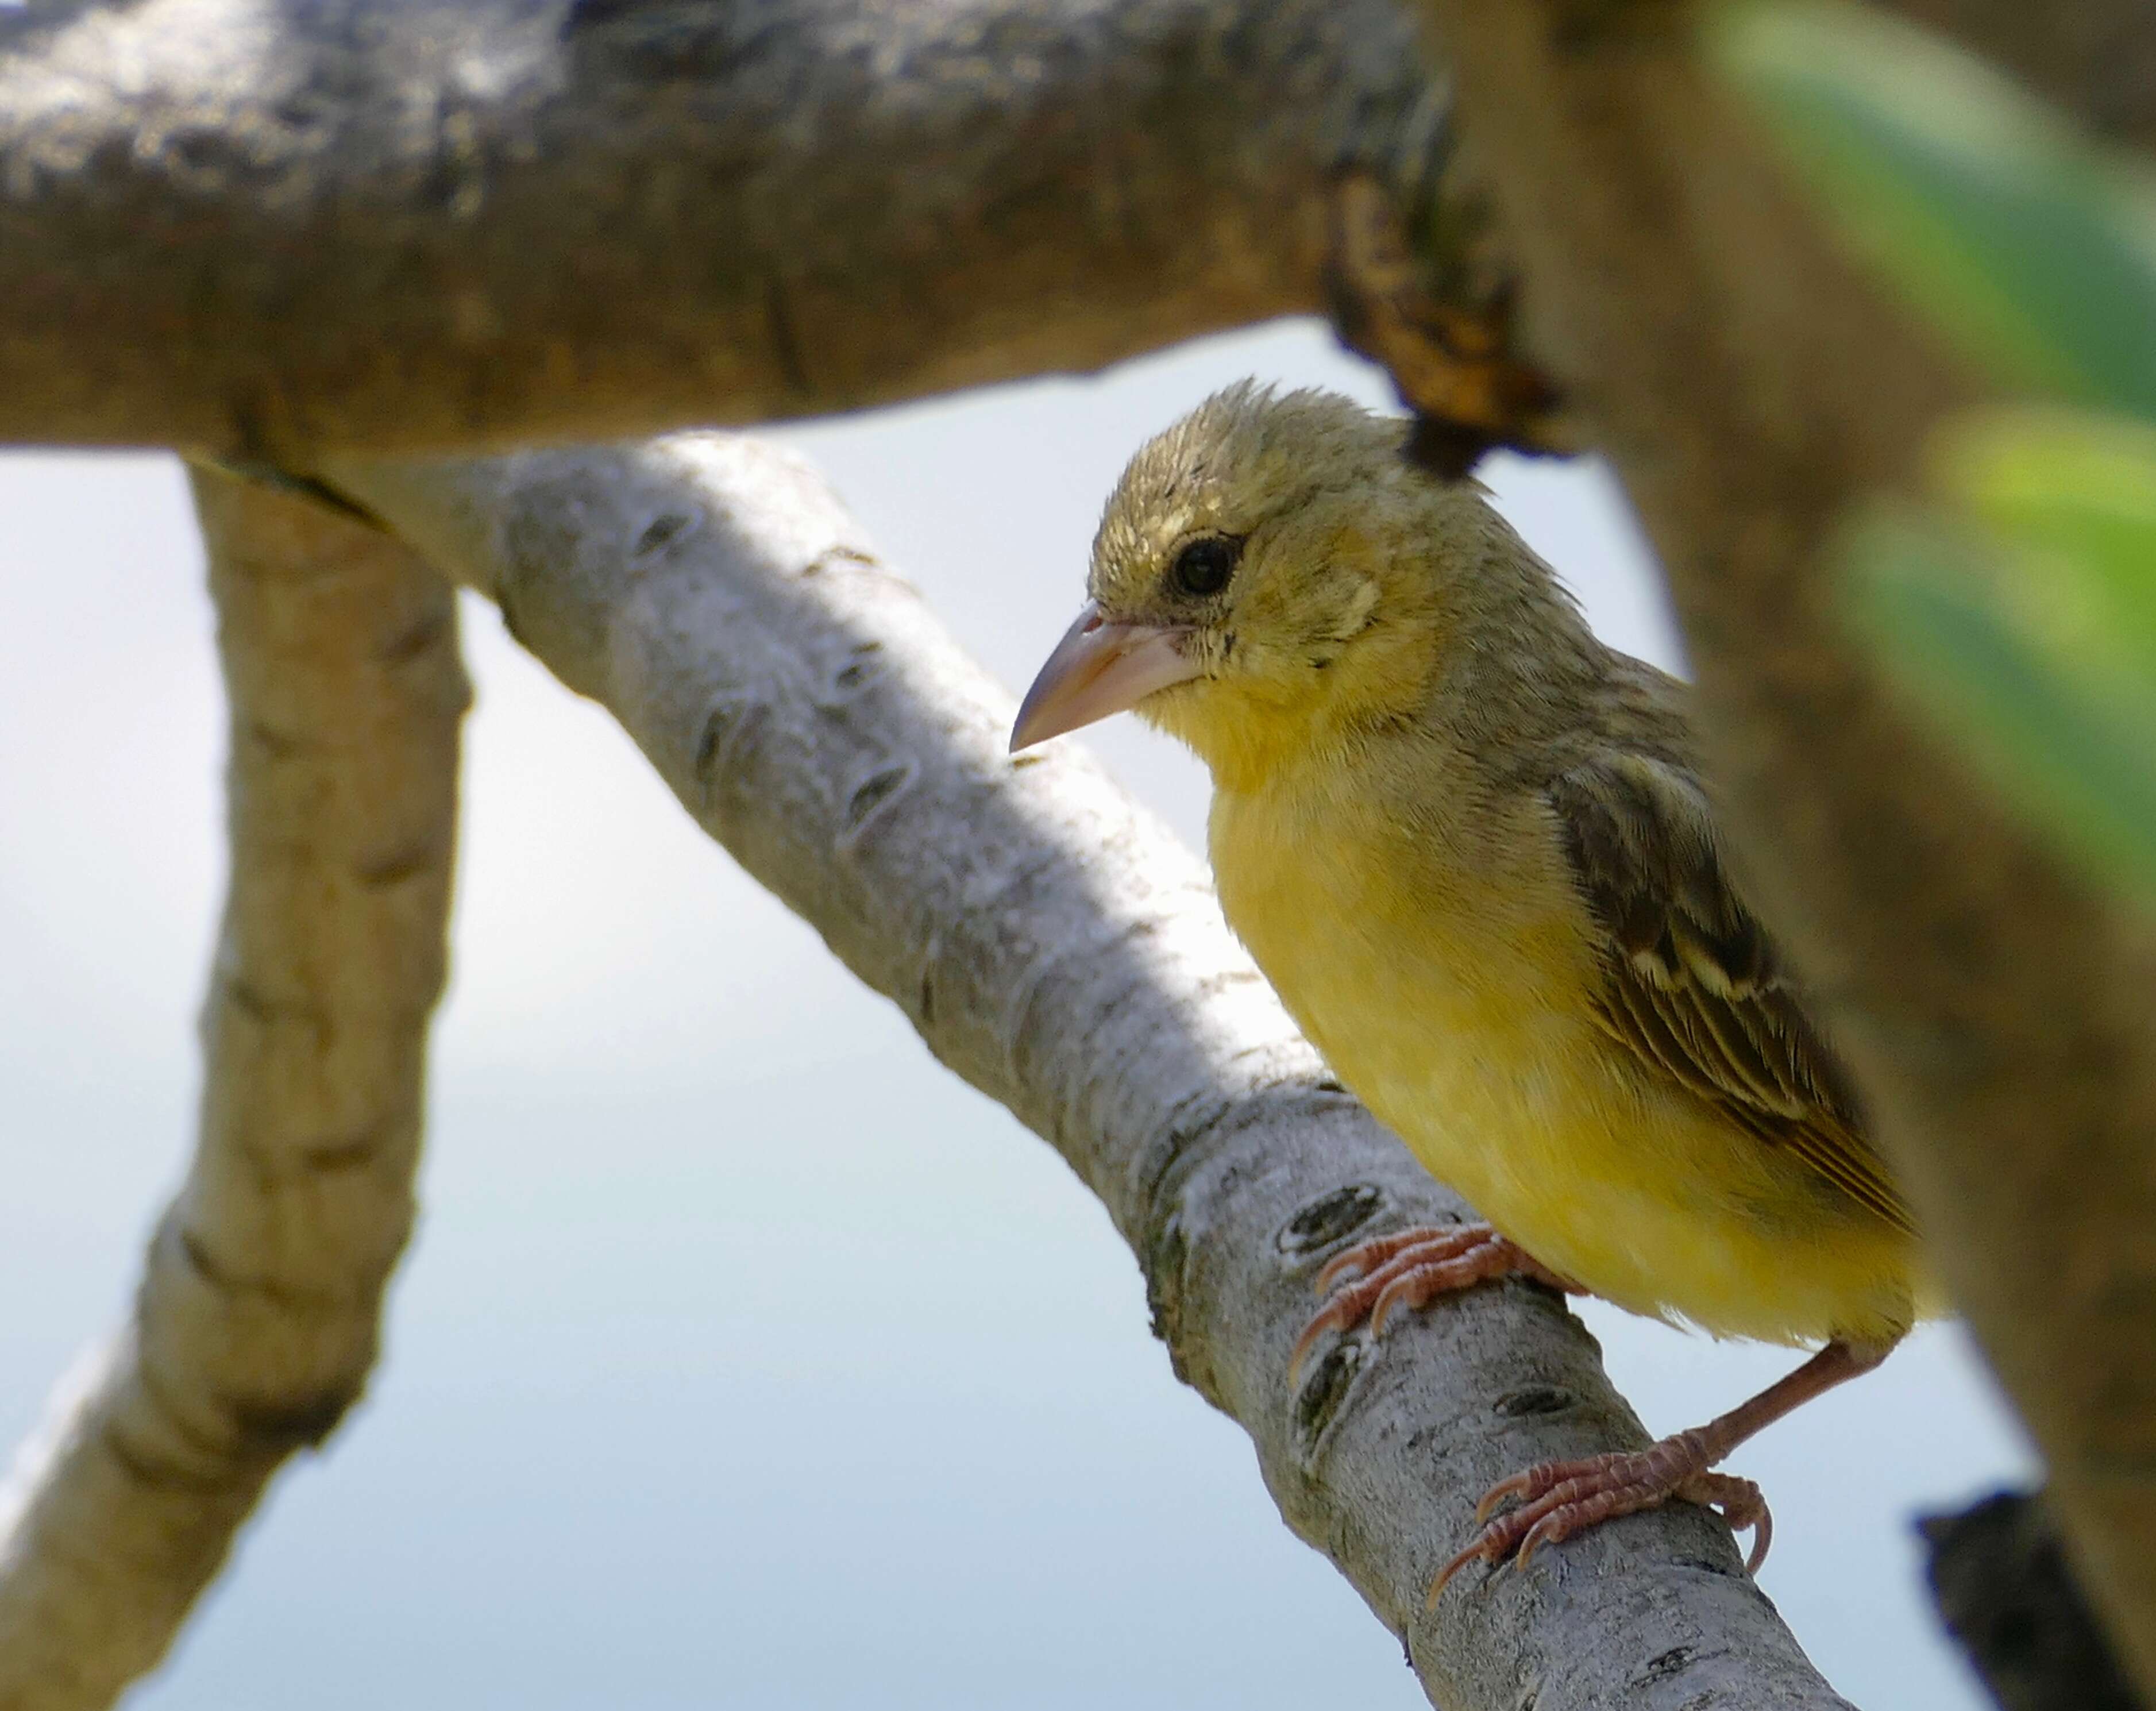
x=1411, y=1268
x=1560, y=1499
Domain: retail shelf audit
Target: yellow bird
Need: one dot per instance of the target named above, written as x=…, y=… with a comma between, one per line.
x=1467, y=844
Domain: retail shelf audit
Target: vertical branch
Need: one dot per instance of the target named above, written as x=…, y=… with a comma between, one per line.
x=258, y=1313
x=1750, y=386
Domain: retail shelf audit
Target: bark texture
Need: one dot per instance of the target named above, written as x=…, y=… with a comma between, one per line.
x=257, y=229
x=1063, y=952
x=259, y=1312
x=1749, y=387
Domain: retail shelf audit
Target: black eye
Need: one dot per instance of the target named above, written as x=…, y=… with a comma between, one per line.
x=1205, y=566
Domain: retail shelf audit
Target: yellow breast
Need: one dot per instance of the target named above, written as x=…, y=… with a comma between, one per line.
x=1459, y=1005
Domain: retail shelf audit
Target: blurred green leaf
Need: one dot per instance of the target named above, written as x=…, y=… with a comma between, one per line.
x=2035, y=252
x=2022, y=610
x=2057, y=712
x=2077, y=494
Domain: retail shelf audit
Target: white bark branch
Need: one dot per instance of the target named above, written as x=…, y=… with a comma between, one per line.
x=257, y=229
x=258, y=1312
x=1059, y=950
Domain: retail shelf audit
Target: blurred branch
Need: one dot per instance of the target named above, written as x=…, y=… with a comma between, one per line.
x=2003, y=1589
x=258, y=1312
x=1749, y=388
x=2095, y=58
x=1062, y=953
x=452, y=223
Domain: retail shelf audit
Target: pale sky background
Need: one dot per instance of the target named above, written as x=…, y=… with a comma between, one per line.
x=744, y=1357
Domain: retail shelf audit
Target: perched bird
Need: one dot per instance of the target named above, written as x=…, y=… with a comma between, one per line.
x=1467, y=844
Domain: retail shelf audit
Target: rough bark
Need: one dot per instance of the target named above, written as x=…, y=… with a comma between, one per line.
x=258, y=1312
x=1063, y=952
x=454, y=224
x=1749, y=387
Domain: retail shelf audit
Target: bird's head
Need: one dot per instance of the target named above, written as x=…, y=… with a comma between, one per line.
x=1261, y=581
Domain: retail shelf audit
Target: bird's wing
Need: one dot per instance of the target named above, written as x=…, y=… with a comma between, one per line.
x=1694, y=985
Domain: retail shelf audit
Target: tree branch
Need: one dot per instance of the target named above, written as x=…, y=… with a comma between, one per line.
x=2094, y=57
x=2001, y=1584
x=259, y=1312
x=1749, y=388
x=1061, y=952
x=449, y=223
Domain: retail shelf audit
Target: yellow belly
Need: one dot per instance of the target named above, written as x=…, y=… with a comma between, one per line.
x=1464, y=1022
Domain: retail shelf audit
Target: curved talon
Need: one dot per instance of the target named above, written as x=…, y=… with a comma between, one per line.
x=1326, y=1320
x=1448, y=1571
x=1389, y=1298
x=1340, y=1265
x=1741, y=1503
x=1546, y=1531
x=1517, y=1486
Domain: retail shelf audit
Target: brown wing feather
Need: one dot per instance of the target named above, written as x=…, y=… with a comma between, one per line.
x=1695, y=986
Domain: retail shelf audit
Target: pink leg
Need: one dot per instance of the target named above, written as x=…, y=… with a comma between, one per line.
x=1560, y=1499
x=1411, y=1268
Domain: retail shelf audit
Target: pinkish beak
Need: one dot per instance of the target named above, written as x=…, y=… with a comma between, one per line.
x=1097, y=669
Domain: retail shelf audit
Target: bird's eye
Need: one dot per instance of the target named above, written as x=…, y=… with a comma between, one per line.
x=1205, y=566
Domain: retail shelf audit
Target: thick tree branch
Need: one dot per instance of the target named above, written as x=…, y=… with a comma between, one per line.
x=258, y=1313
x=1749, y=388
x=1060, y=951
x=256, y=228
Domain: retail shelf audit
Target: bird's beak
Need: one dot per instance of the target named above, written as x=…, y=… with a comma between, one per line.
x=1101, y=668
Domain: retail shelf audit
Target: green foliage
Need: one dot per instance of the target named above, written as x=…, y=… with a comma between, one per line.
x=2025, y=619
x=2036, y=253
x=2018, y=605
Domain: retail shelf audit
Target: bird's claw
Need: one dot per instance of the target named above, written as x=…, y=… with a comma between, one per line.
x=1560, y=1499
x=1409, y=1269
x=1517, y=1486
